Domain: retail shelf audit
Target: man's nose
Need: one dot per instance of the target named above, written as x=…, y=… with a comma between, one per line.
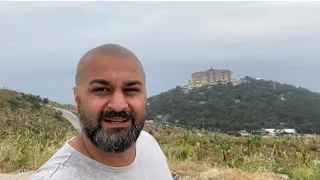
x=117, y=101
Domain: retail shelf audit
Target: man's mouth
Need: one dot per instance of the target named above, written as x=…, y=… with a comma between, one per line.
x=115, y=120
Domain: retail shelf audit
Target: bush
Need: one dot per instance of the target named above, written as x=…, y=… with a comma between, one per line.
x=256, y=163
x=45, y=100
x=14, y=104
x=58, y=116
x=36, y=106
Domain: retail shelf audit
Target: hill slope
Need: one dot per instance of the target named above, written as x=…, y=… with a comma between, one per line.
x=252, y=105
x=30, y=132
x=20, y=112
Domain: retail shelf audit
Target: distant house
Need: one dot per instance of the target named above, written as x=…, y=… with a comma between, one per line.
x=269, y=132
x=244, y=133
x=162, y=118
x=275, y=132
x=185, y=90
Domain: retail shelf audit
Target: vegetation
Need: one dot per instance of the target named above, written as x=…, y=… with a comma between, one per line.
x=249, y=106
x=30, y=132
x=192, y=151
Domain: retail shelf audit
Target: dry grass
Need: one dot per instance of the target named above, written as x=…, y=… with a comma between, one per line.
x=226, y=174
x=188, y=168
x=190, y=152
x=30, y=132
x=233, y=174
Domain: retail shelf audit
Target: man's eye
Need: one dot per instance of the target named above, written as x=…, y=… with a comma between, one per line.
x=101, y=90
x=131, y=90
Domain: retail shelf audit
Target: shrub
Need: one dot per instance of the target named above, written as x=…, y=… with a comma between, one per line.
x=45, y=100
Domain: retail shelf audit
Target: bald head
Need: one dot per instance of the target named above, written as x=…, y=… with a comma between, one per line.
x=112, y=50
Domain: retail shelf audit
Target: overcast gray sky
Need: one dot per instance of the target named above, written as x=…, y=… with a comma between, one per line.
x=41, y=42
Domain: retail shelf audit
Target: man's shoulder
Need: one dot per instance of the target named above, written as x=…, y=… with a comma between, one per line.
x=146, y=138
x=57, y=164
x=152, y=156
x=147, y=142
x=146, y=135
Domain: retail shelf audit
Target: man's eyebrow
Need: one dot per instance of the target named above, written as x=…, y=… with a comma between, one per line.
x=99, y=81
x=132, y=83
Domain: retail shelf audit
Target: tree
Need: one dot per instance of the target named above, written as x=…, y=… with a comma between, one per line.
x=45, y=100
x=250, y=106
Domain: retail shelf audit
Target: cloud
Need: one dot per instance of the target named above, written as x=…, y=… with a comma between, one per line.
x=49, y=31
x=43, y=41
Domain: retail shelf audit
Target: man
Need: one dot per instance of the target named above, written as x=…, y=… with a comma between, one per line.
x=110, y=96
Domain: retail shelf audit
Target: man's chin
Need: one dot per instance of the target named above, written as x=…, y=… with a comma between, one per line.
x=115, y=140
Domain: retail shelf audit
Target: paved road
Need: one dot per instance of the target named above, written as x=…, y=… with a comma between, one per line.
x=73, y=119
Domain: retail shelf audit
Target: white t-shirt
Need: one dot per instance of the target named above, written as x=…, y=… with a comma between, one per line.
x=69, y=164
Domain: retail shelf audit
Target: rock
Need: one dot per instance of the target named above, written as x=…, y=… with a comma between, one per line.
x=282, y=177
x=174, y=176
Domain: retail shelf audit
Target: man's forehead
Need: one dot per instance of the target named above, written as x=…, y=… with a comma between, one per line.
x=111, y=62
x=113, y=69
x=108, y=59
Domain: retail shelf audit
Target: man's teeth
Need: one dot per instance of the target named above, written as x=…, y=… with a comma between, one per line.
x=109, y=121
x=117, y=122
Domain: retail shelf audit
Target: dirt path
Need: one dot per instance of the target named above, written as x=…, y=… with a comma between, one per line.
x=16, y=176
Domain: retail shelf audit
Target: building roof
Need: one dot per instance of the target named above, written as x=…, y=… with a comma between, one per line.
x=211, y=70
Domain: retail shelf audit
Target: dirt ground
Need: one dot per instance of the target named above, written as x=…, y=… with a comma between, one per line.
x=211, y=174
x=232, y=174
x=16, y=175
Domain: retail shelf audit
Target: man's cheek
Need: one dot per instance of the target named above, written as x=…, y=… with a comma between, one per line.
x=141, y=113
x=95, y=107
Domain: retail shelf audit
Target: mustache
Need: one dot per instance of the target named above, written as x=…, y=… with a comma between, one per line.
x=121, y=114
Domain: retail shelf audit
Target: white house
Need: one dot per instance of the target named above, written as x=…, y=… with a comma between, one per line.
x=274, y=132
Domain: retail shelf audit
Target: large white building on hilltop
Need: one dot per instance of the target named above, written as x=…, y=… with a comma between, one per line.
x=212, y=77
x=209, y=77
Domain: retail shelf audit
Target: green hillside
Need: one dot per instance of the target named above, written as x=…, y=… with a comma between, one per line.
x=251, y=106
x=30, y=132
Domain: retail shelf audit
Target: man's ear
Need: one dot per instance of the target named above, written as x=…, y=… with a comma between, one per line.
x=75, y=96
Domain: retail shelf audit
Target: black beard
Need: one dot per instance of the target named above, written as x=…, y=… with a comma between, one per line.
x=115, y=140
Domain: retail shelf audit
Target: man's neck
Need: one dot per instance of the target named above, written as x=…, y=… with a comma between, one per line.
x=82, y=144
